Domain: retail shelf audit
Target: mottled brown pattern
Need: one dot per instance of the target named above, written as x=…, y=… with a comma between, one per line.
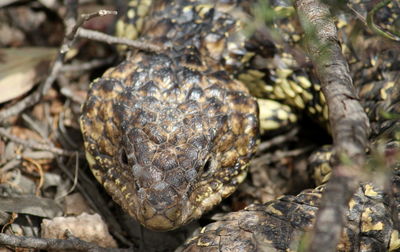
x=170, y=135
x=282, y=225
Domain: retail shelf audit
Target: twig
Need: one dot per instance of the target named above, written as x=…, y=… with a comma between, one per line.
x=38, y=154
x=35, y=145
x=276, y=156
x=369, y=20
x=75, y=180
x=278, y=140
x=371, y=24
x=42, y=129
x=71, y=243
x=72, y=31
x=68, y=93
x=13, y=163
x=348, y=121
x=99, y=36
x=357, y=14
x=12, y=217
x=41, y=175
x=62, y=131
x=86, y=17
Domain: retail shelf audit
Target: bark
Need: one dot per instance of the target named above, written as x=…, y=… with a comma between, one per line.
x=348, y=121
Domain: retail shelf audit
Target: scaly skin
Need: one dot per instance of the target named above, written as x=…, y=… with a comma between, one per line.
x=170, y=135
x=281, y=225
x=372, y=218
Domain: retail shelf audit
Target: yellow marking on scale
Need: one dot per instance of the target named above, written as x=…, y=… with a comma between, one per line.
x=369, y=191
x=352, y=203
x=394, y=240
x=282, y=115
x=304, y=82
x=299, y=102
x=295, y=87
x=123, y=189
x=367, y=224
x=287, y=89
x=278, y=92
x=131, y=14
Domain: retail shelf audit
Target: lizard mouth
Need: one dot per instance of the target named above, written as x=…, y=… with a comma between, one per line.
x=160, y=209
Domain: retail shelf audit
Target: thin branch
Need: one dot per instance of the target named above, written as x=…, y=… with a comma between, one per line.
x=41, y=174
x=371, y=24
x=289, y=136
x=75, y=181
x=99, y=36
x=348, y=121
x=35, y=145
x=71, y=243
x=86, y=17
x=359, y=16
x=278, y=155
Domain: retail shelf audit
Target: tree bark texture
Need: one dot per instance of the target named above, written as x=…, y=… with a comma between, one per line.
x=348, y=121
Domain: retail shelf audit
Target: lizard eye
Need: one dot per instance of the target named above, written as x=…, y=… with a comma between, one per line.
x=123, y=157
x=207, y=168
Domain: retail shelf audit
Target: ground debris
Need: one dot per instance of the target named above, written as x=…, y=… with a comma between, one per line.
x=90, y=228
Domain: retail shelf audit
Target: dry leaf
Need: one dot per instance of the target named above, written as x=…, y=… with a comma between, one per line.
x=30, y=204
x=22, y=68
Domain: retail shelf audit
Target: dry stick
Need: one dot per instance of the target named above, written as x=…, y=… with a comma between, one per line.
x=74, y=244
x=348, y=121
x=99, y=36
x=291, y=135
x=86, y=17
x=375, y=28
x=35, y=145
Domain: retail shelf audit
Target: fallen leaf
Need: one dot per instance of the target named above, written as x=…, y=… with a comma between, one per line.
x=22, y=68
x=30, y=204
